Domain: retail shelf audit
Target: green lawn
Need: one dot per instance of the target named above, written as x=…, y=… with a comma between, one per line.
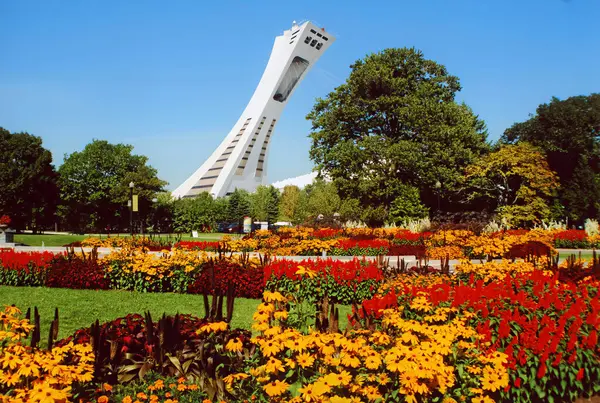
x=584, y=255
x=79, y=308
x=64, y=239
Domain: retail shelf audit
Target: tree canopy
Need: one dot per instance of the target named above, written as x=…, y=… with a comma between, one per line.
x=94, y=185
x=28, y=189
x=568, y=132
x=515, y=182
x=200, y=213
x=395, y=122
x=264, y=204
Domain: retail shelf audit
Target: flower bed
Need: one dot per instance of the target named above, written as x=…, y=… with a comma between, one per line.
x=313, y=280
x=24, y=268
x=547, y=328
x=376, y=241
x=497, y=331
x=34, y=375
x=198, y=245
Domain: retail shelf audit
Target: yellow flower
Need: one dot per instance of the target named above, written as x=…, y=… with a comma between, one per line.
x=270, y=347
x=234, y=345
x=274, y=365
x=309, y=393
x=280, y=315
x=275, y=388
x=305, y=360
x=304, y=271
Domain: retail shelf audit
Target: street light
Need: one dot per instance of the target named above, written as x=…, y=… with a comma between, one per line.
x=131, y=185
x=154, y=201
x=438, y=186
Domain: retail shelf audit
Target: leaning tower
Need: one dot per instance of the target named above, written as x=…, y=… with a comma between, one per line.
x=240, y=161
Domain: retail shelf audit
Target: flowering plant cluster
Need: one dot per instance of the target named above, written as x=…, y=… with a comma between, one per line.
x=33, y=375
x=154, y=389
x=547, y=328
x=5, y=220
x=153, y=244
x=401, y=360
x=24, y=268
x=341, y=282
x=245, y=277
x=137, y=270
x=198, y=245
x=133, y=269
x=443, y=244
x=367, y=247
x=575, y=239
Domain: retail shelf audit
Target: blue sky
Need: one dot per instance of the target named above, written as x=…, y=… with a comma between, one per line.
x=172, y=77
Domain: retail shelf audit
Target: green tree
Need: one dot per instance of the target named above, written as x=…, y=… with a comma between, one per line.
x=320, y=202
x=323, y=199
x=29, y=193
x=568, y=131
x=407, y=206
x=239, y=205
x=161, y=217
x=395, y=122
x=289, y=203
x=200, y=213
x=273, y=205
x=515, y=181
x=259, y=203
x=265, y=204
x=94, y=186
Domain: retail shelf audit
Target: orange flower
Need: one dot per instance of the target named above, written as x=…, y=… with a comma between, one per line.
x=103, y=399
x=107, y=387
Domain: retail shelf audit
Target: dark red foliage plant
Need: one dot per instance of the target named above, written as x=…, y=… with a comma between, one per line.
x=247, y=279
x=77, y=272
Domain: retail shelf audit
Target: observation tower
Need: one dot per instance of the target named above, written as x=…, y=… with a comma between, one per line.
x=240, y=161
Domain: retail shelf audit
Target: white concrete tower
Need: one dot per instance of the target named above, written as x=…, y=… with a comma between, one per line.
x=240, y=161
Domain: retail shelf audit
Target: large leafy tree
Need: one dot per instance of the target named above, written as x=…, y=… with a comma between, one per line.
x=239, y=205
x=322, y=203
x=28, y=189
x=265, y=204
x=515, y=182
x=201, y=213
x=290, y=203
x=568, y=131
x=395, y=122
x=94, y=185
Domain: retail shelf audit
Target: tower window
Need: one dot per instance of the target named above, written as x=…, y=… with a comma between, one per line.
x=325, y=38
x=319, y=45
x=313, y=43
x=307, y=39
x=313, y=31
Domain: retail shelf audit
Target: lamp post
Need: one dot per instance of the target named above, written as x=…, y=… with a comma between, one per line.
x=154, y=208
x=131, y=185
x=438, y=186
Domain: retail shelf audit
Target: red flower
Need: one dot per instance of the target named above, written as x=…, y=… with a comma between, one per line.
x=5, y=220
x=580, y=374
x=541, y=371
x=592, y=340
x=518, y=382
x=557, y=360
